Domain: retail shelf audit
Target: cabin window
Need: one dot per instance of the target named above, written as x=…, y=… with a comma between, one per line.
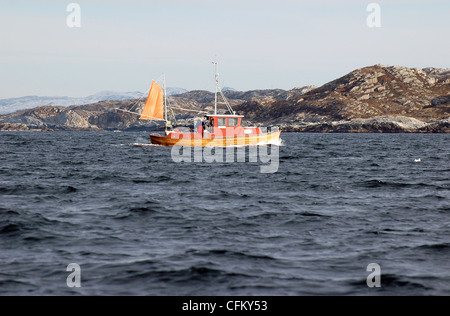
x=232, y=121
x=221, y=121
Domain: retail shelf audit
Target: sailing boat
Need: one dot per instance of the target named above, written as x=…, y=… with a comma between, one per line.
x=215, y=130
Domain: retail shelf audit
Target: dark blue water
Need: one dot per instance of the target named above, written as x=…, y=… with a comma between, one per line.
x=138, y=223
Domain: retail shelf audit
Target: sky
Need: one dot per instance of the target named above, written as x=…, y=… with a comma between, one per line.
x=122, y=45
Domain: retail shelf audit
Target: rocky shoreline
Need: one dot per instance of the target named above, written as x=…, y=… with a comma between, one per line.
x=374, y=125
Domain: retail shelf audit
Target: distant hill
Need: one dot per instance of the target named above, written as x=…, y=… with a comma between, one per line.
x=28, y=102
x=228, y=89
x=400, y=99
x=175, y=91
x=371, y=99
x=202, y=96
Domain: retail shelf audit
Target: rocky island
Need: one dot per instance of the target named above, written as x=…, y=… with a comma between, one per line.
x=376, y=99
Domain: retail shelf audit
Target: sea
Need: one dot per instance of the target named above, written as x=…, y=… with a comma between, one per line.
x=106, y=213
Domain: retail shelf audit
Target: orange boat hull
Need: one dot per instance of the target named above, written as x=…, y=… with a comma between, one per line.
x=190, y=140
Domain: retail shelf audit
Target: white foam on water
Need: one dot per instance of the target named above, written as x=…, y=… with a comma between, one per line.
x=146, y=145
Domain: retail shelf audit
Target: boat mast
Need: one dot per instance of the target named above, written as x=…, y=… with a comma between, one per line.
x=217, y=88
x=165, y=102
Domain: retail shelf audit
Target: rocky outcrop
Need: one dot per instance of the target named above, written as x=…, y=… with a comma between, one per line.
x=49, y=118
x=13, y=127
x=382, y=95
x=204, y=97
x=372, y=99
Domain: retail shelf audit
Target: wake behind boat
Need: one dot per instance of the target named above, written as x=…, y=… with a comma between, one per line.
x=213, y=130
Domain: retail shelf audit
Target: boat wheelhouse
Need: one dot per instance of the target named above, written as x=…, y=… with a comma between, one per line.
x=220, y=125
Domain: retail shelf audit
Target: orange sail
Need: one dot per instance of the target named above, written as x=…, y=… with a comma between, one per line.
x=154, y=106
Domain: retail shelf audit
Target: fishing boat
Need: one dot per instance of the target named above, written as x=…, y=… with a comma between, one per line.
x=213, y=130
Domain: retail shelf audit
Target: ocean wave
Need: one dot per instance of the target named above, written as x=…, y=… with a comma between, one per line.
x=394, y=283
x=441, y=247
x=141, y=273
x=375, y=183
x=20, y=189
x=225, y=253
x=12, y=229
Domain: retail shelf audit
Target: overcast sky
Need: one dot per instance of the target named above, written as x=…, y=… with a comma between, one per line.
x=123, y=44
